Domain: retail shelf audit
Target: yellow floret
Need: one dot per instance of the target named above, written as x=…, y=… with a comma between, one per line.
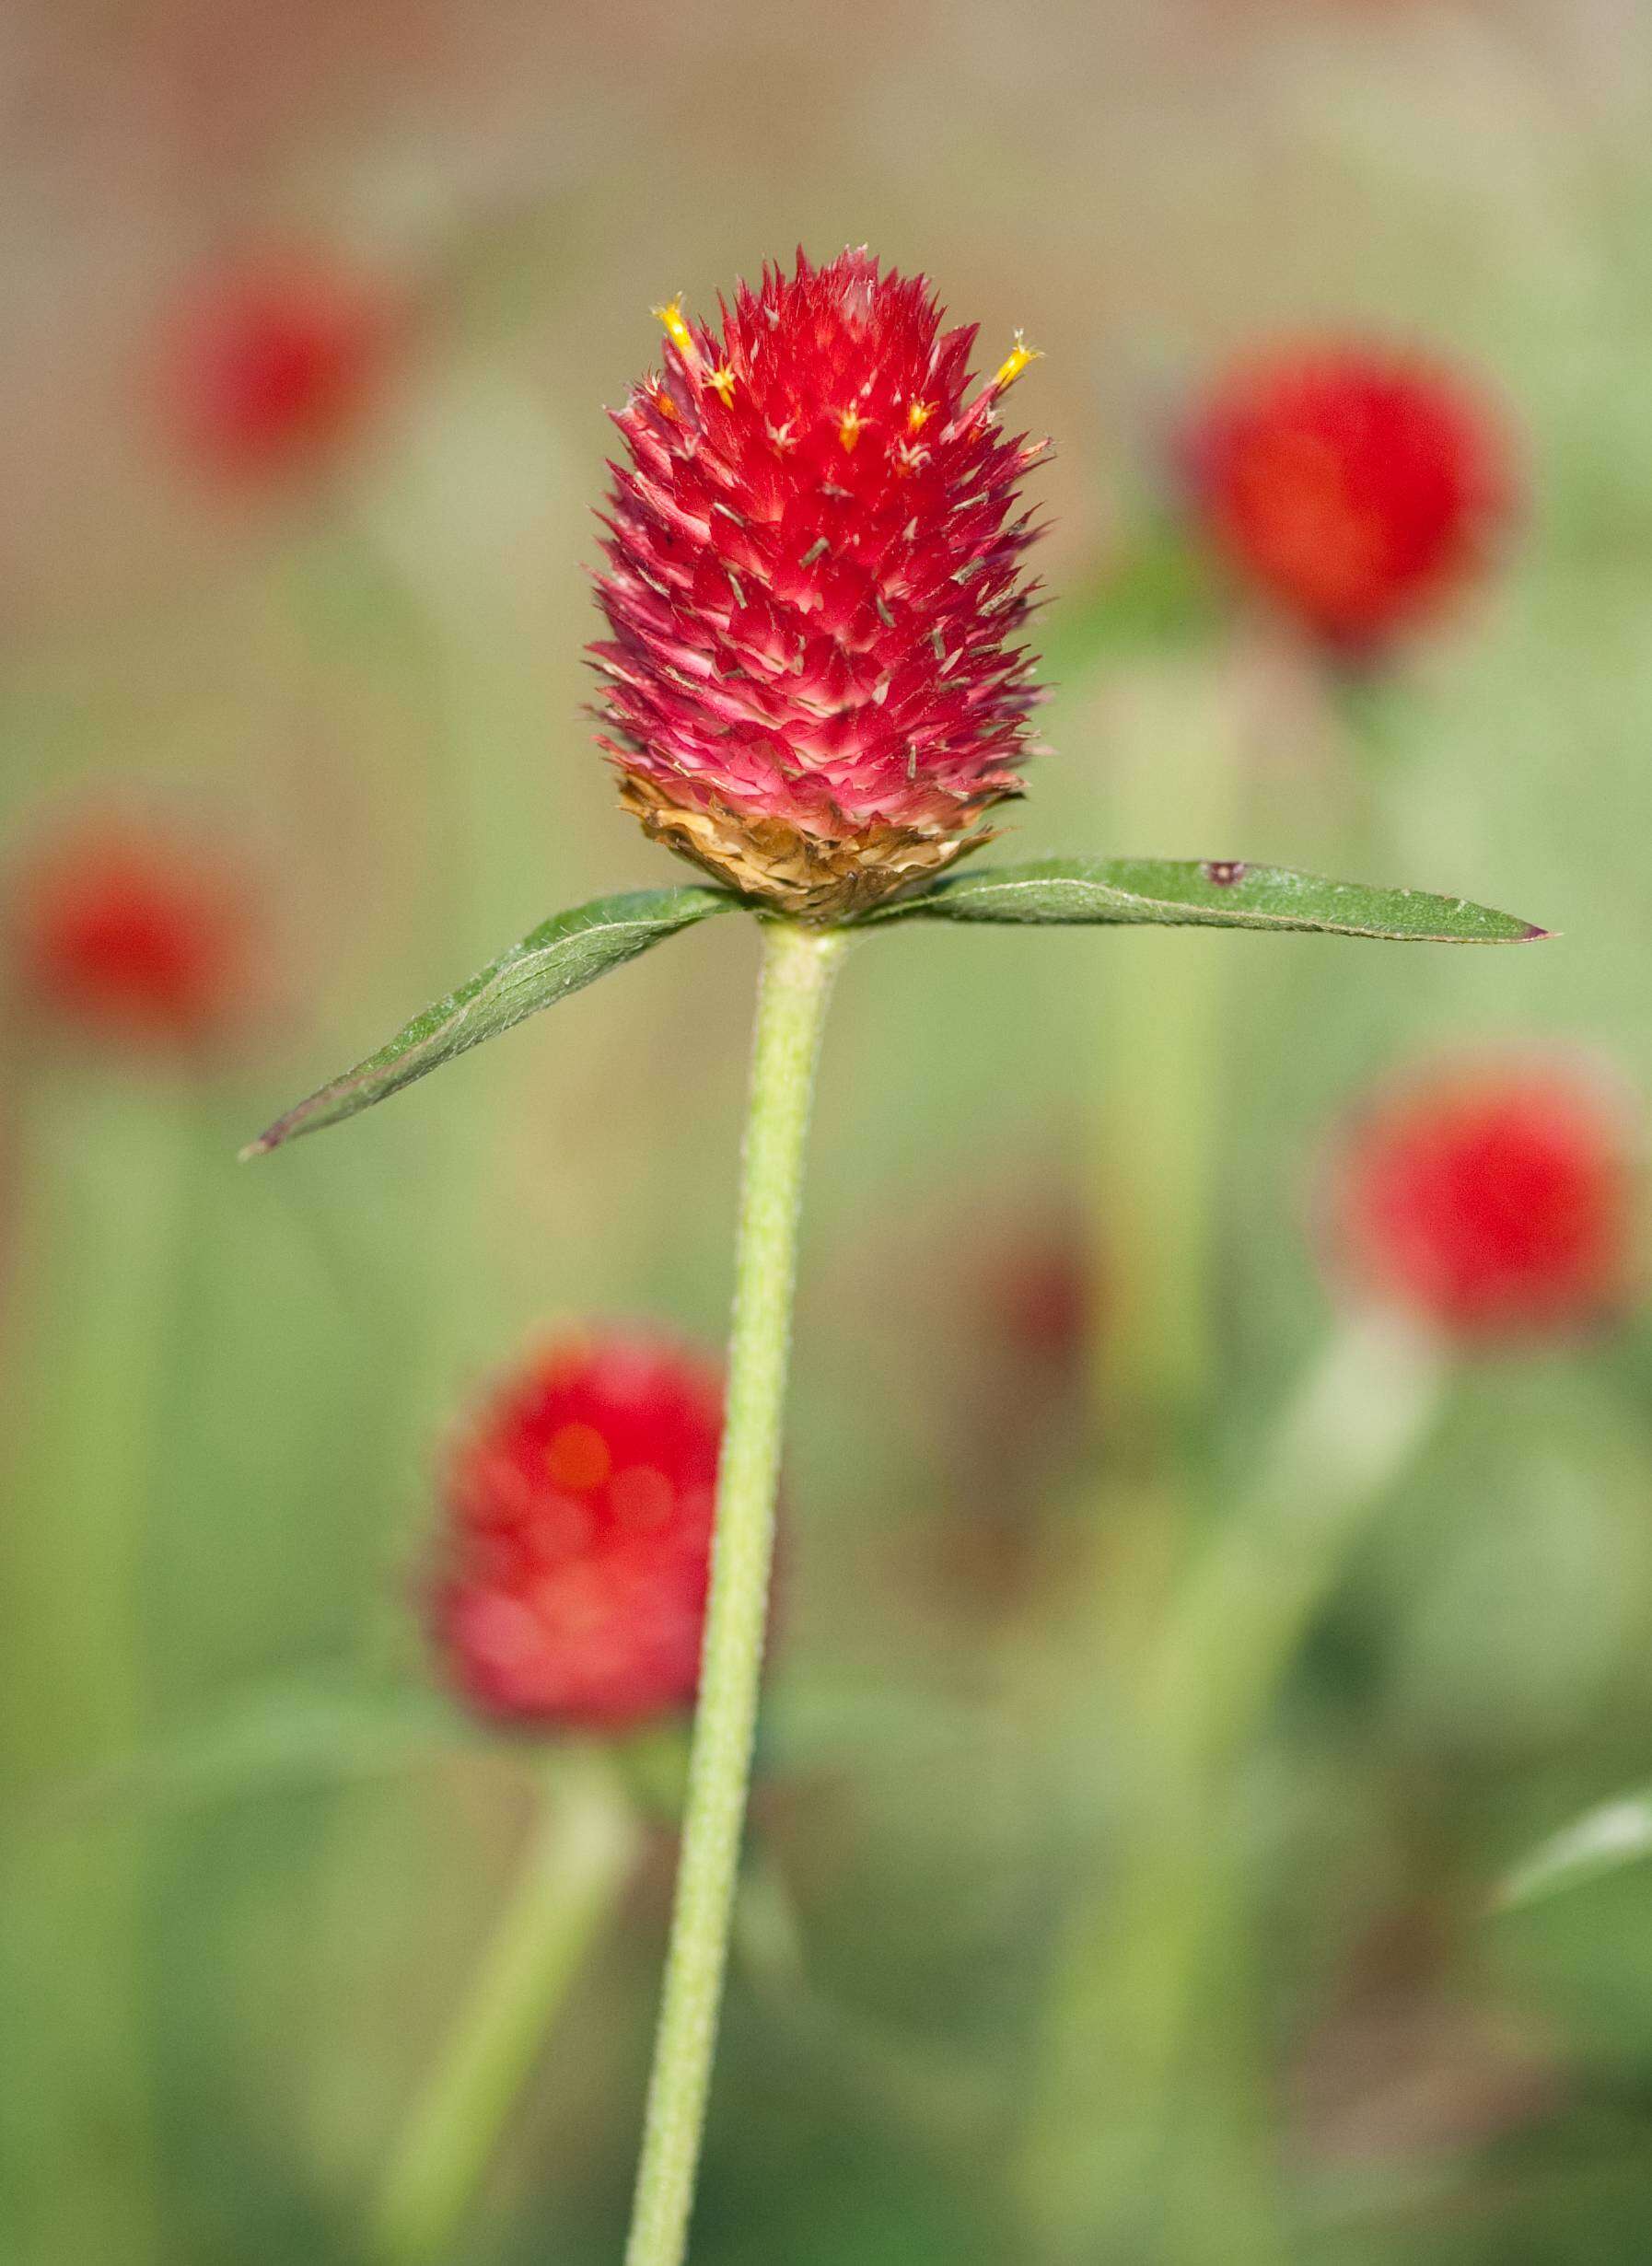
x=676, y=329
x=1014, y=362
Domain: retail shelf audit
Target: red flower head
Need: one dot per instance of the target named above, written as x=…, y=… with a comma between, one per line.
x=133, y=939
x=813, y=588
x=274, y=364
x=1354, y=486
x=579, y=1546
x=1494, y=1200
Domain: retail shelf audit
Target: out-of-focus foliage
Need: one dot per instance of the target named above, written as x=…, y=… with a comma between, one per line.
x=1059, y=1311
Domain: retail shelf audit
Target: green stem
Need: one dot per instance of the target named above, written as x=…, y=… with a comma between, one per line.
x=1134, y=1981
x=798, y=965
x=578, y=1859
x=112, y=1216
x=1157, y=1058
x=1358, y=1420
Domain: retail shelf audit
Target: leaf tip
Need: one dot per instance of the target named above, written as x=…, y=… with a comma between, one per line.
x=1537, y=936
x=261, y=1147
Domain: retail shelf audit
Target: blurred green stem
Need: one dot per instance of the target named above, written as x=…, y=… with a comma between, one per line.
x=1357, y=1422
x=110, y=1166
x=1132, y=1985
x=798, y=967
x=1176, y=787
x=111, y=1163
x=577, y=1858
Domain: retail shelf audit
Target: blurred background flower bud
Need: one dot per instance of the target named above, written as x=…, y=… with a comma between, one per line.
x=1494, y=1198
x=576, y=1556
x=133, y=936
x=1355, y=488
x=274, y=362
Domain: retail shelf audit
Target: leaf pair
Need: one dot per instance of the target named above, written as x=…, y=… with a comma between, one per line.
x=572, y=949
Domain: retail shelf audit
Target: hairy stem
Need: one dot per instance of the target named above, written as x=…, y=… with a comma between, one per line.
x=798, y=965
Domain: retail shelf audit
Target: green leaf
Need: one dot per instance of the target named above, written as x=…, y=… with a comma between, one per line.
x=1208, y=894
x=573, y=948
x=1615, y=1834
x=562, y=955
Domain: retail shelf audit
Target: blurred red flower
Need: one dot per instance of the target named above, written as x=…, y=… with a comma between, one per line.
x=1356, y=487
x=274, y=362
x=133, y=938
x=1494, y=1199
x=813, y=685
x=1040, y=1297
x=576, y=1561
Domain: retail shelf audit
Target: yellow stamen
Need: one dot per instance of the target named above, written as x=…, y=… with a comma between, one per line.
x=1014, y=362
x=848, y=428
x=918, y=415
x=723, y=380
x=676, y=329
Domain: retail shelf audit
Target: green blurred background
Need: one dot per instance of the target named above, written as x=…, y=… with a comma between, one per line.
x=251, y=1855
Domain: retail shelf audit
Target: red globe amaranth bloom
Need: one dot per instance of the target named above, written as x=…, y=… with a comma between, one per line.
x=131, y=938
x=274, y=363
x=1494, y=1199
x=1355, y=486
x=577, y=1552
x=813, y=588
